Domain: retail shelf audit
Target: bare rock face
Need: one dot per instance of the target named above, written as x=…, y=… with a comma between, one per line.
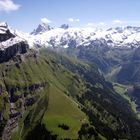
x=11, y=51
x=5, y=33
x=41, y=29
x=10, y=44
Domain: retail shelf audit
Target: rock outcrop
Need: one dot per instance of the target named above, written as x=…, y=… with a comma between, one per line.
x=11, y=51
x=5, y=33
x=10, y=44
x=25, y=99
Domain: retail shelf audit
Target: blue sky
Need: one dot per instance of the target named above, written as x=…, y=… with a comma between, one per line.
x=27, y=14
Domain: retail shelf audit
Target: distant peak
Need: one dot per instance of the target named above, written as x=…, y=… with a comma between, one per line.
x=109, y=29
x=5, y=32
x=3, y=24
x=43, y=27
x=119, y=29
x=129, y=27
x=3, y=28
x=64, y=26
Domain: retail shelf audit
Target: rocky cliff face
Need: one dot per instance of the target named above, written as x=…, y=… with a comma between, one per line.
x=16, y=99
x=18, y=106
x=5, y=33
x=20, y=94
x=10, y=44
x=11, y=51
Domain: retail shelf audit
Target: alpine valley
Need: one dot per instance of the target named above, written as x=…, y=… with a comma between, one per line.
x=70, y=83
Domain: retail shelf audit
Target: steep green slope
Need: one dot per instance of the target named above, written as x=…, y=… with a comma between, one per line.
x=64, y=97
x=130, y=72
x=30, y=82
x=24, y=87
x=54, y=82
x=62, y=110
x=111, y=114
x=117, y=64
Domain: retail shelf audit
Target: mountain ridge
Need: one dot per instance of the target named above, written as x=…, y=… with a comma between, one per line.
x=70, y=67
x=120, y=37
x=44, y=35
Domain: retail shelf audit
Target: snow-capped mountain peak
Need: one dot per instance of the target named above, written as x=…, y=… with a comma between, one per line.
x=3, y=24
x=3, y=27
x=43, y=27
x=8, y=36
x=5, y=32
x=65, y=36
x=64, y=26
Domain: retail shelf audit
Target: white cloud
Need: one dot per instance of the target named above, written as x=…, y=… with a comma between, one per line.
x=101, y=24
x=117, y=21
x=77, y=20
x=73, y=20
x=45, y=20
x=96, y=25
x=8, y=5
x=91, y=24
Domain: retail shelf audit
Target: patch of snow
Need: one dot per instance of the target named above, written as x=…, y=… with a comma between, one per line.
x=10, y=42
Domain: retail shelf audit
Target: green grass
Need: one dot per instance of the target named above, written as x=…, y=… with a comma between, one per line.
x=111, y=76
x=62, y=85
x=119, y=88
x=63, y=110
x=65, y=79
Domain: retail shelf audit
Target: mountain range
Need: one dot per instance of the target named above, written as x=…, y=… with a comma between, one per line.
x=69, y=83
x=61, y=37
x=119, y=37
